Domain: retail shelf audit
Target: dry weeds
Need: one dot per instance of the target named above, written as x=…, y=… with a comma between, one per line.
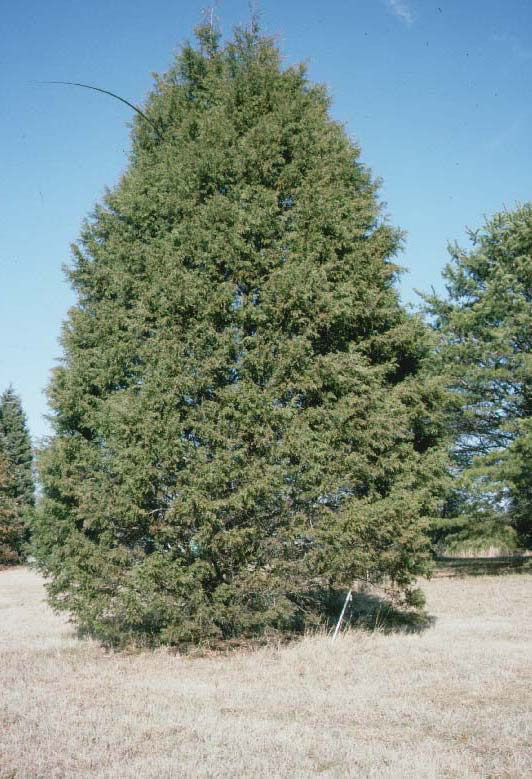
x=450, y=702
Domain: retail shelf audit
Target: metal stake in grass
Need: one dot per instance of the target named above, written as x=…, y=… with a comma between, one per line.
x=348, y=598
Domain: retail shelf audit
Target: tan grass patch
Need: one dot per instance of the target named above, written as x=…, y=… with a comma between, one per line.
x=450, y=702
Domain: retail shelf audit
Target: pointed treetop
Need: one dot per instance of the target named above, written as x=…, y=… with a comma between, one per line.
x=208, y=32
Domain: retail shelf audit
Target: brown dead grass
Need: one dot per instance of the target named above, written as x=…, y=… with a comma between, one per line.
x=450, y=702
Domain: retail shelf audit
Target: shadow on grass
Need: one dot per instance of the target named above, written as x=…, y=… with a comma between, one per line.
x=482, y=566
x=372, y=612
x=368, y=610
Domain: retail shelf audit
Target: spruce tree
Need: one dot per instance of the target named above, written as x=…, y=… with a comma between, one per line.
x=484, y=355
x=11, y=528
x=16, y=478
x=17, y=447
x=242, y=418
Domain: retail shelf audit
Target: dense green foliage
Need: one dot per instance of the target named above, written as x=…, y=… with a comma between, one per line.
x=16, y=477
x=16, y=444
x=485, y=353
x=242, y=420
x=11, y=528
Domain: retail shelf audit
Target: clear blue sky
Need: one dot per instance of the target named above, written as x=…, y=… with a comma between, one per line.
x=438, y=94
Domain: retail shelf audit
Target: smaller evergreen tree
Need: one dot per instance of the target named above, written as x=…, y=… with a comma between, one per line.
x=17, y=446
x=484, y=354
x=11, y=525
x=17, y=489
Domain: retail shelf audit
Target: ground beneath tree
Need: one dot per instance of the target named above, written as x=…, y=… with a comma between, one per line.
x=451, y=701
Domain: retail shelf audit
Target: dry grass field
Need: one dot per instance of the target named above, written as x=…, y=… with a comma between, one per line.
x=451, y=701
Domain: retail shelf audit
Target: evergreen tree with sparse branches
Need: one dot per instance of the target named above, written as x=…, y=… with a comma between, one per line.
x=484, y=355
x=16, y=477
x=242, y=416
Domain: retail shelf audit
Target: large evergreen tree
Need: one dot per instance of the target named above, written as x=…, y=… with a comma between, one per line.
x=241, y=415
x=485, y=324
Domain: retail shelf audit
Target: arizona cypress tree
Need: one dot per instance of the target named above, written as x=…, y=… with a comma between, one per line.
x=16, y=477
x=241, y=420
